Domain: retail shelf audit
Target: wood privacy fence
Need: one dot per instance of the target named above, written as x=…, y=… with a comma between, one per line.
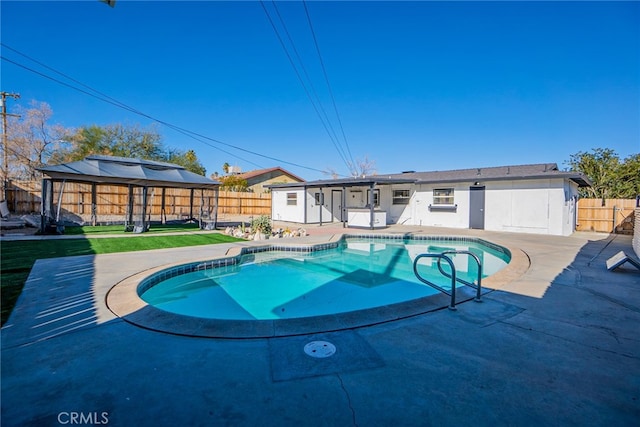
x=614, y=216
x=23, y=197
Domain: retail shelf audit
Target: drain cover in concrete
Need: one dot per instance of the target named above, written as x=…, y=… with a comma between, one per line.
x=289, y=361
x=320, y=349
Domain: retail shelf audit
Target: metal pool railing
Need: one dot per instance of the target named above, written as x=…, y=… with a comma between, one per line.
x=443, y=256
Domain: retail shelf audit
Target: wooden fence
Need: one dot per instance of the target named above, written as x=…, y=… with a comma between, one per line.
x=23, y=197
x=614, y=216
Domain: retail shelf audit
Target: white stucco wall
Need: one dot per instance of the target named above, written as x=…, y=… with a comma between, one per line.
x=544, y=206
x=423, y=215
x=540, y=206
x=280, y=211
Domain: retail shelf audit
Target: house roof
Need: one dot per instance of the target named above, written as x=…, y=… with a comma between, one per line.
x=122, y=170
x=258, y=172
x=501, y=173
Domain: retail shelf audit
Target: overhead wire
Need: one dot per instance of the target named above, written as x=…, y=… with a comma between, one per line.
x=105, y=98
x=306, y=74
x=306, y=90
x=326, y=78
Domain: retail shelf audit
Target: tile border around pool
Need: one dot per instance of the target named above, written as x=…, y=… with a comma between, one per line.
x=124, y=301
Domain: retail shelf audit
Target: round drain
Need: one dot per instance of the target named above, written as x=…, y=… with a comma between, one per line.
x=320, y=349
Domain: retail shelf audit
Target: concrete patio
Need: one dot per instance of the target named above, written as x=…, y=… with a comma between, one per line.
x=557, y=346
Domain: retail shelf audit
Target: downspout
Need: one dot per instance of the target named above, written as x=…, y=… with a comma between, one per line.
x=320, y=204
x=304, y=203
x=343, y=211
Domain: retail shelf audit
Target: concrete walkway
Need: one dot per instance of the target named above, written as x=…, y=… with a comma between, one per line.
x=557, y=346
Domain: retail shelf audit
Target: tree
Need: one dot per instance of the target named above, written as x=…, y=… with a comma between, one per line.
x=126, y=141
x=189, y=160
x=363, y=167
x=32, y=141
x=233, y=183
x=629, y=177
x=360, y=168
x=611, y=178
x=225, y=167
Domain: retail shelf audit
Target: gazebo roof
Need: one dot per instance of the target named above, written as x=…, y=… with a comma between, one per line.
x=127, y=171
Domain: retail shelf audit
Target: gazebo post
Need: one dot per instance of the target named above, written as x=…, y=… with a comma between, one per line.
x=191, y=205
x=145, y=190
x=45, y=203
x=94, y=205
x=215, y=208
x=201, y=207
x=130, y=207
x=163, y=213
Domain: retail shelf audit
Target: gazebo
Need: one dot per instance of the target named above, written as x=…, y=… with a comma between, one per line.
x=139, y=175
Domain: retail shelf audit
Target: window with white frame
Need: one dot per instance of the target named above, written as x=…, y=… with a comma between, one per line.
x=443, y=196
x=401, y=197
x=319, y=198
x=292, y=199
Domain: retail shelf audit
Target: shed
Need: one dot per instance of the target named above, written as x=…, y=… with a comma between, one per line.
x=139, y=175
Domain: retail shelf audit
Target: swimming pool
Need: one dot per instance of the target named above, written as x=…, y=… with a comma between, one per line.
x=353, y=274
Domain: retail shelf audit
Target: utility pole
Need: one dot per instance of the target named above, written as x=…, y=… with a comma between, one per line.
x=5, y=164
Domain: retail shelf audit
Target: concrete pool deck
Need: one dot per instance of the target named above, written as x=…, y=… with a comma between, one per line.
x=558, y=345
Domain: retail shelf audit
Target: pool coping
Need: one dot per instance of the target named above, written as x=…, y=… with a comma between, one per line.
x=123, y=299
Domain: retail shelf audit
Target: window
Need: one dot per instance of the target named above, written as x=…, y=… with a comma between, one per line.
x=376, y=198
x=443, y=196
x=292, y=199
x=319, y=198
x=401, y=197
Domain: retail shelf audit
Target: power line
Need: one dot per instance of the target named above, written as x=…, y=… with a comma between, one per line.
x=295, y=69
x=105, y=98
x=306, y=74
x=326, y=78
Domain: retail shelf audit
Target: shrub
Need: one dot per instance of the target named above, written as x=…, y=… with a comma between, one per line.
x=261, y=224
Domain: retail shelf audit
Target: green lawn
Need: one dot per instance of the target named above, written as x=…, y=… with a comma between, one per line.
x=119, y=229
x=17, y=257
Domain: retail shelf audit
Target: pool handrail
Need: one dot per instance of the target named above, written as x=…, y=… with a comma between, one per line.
x=452, y=293
x=477, y=287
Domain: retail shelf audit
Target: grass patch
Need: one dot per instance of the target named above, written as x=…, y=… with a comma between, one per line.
x=119, y=229
x=17, y=257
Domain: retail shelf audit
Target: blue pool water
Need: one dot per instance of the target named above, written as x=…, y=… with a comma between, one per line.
x=357, y=274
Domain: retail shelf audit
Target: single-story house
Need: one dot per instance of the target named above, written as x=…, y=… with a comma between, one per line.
x=536, y=198
x=259, y=179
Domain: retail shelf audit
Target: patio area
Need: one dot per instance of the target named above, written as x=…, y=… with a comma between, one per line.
x=556, y=346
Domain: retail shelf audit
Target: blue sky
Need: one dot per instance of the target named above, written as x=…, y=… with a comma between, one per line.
x=417, y=85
